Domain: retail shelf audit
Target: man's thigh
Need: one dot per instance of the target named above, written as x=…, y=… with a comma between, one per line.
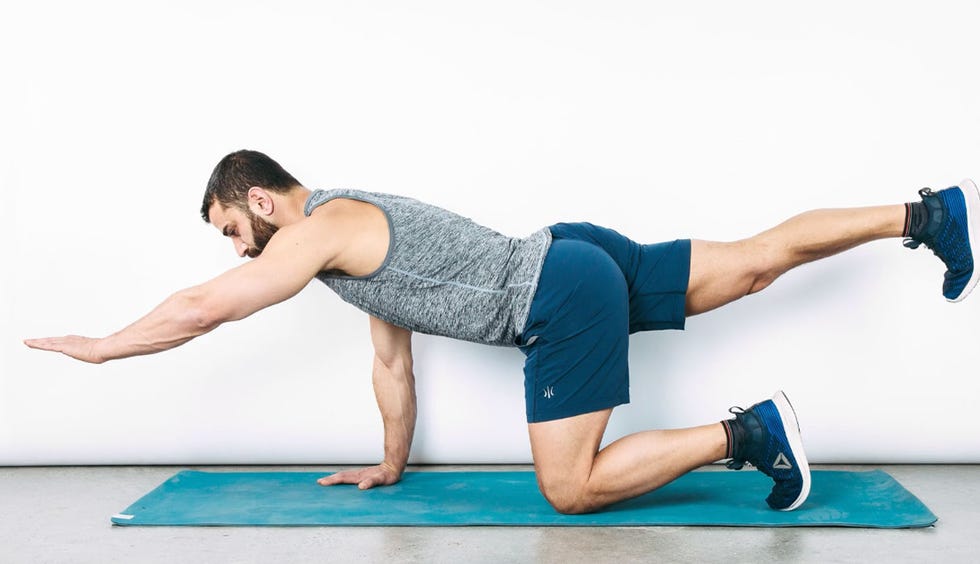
x=724, y=272
x=564, y=451
x=576, y=339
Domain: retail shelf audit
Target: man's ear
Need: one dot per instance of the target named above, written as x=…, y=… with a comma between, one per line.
x=260, y=201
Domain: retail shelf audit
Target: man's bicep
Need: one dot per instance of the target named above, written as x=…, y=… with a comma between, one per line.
x=392, y=344
x=270, y=278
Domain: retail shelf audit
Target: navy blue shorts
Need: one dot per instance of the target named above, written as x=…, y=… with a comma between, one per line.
x=596, y=288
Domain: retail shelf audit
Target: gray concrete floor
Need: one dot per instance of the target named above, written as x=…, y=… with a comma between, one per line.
x=61, y=514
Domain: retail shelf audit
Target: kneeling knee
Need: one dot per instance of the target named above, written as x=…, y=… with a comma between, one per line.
x=571, y=506
x=570, y=502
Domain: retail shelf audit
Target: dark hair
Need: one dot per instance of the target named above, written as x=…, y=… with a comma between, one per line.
x=238, y=172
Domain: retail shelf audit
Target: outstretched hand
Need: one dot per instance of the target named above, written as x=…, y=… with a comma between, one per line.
x=381, y=475
x=81, y=348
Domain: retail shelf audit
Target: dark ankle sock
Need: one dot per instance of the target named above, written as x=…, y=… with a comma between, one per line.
x=916, y=216
x=735, y=434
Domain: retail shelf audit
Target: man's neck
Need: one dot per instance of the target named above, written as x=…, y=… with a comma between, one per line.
x=289, y=207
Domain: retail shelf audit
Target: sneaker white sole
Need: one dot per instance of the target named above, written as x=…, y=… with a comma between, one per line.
x=972, y=198
x=791, y=426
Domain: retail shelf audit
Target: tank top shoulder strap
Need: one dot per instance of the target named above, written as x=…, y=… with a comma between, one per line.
x=320, y=197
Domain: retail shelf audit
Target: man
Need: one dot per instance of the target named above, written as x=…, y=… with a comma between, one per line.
x=568, y=296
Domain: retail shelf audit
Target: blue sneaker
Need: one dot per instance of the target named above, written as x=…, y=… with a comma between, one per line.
x=952, y=231
x=767, y=436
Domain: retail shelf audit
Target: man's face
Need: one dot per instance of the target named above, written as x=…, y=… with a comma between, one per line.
x=248, y=232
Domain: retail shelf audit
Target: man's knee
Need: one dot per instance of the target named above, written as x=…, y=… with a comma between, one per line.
x=763, y=263
x=564, y=453
x=567, y=497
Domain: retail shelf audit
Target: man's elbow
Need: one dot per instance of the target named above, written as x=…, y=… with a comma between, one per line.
x=204, y=320
x=200, y=314
x=396, y=362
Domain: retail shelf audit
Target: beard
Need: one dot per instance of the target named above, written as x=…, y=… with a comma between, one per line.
x=262, y=231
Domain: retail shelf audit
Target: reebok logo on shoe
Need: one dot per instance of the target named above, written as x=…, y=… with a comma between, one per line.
x=782, y=463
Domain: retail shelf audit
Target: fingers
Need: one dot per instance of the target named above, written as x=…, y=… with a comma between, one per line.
x=57, y=344
x=47, y=344
x=369, y=482
x=361, y=478
x=365, y=479
x=345, y=477
x=75, y=346
x=378, y=478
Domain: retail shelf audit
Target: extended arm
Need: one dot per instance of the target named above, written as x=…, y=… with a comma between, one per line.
x=394, y=388
x=288, y=263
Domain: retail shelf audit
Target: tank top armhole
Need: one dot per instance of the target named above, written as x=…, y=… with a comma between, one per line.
x=320, y=197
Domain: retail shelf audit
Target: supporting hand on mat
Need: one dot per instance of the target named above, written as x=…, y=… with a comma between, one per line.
x=81, y=348
x=383, y=474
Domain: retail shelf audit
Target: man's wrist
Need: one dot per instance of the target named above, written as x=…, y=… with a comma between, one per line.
x=392, y=467
x=100, y=350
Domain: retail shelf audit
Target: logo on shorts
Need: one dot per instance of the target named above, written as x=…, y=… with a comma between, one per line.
x=549, y=392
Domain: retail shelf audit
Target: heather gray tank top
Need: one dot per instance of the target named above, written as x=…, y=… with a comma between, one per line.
x=444, y=274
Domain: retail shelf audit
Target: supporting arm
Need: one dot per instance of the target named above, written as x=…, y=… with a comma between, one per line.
x=394, y=388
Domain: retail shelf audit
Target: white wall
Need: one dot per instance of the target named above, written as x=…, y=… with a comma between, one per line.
x=711, y=120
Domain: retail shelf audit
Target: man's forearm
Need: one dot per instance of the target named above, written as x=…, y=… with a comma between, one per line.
x=394, y=387
x=283, y=269
x=177, y=320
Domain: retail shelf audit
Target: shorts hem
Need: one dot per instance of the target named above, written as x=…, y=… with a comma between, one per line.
x=552, y=415
x=658, y=326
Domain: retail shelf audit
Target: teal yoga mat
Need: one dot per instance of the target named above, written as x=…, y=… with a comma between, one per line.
x=837, y=498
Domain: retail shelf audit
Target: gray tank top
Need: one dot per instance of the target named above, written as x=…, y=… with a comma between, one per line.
x=444, y=274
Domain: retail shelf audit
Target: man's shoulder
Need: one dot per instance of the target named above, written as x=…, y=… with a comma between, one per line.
x=350, y=235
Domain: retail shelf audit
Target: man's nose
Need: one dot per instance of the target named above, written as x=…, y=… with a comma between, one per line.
x=240, y=247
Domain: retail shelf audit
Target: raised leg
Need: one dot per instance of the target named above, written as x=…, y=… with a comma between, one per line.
x=724, y=272
x=576, y=477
